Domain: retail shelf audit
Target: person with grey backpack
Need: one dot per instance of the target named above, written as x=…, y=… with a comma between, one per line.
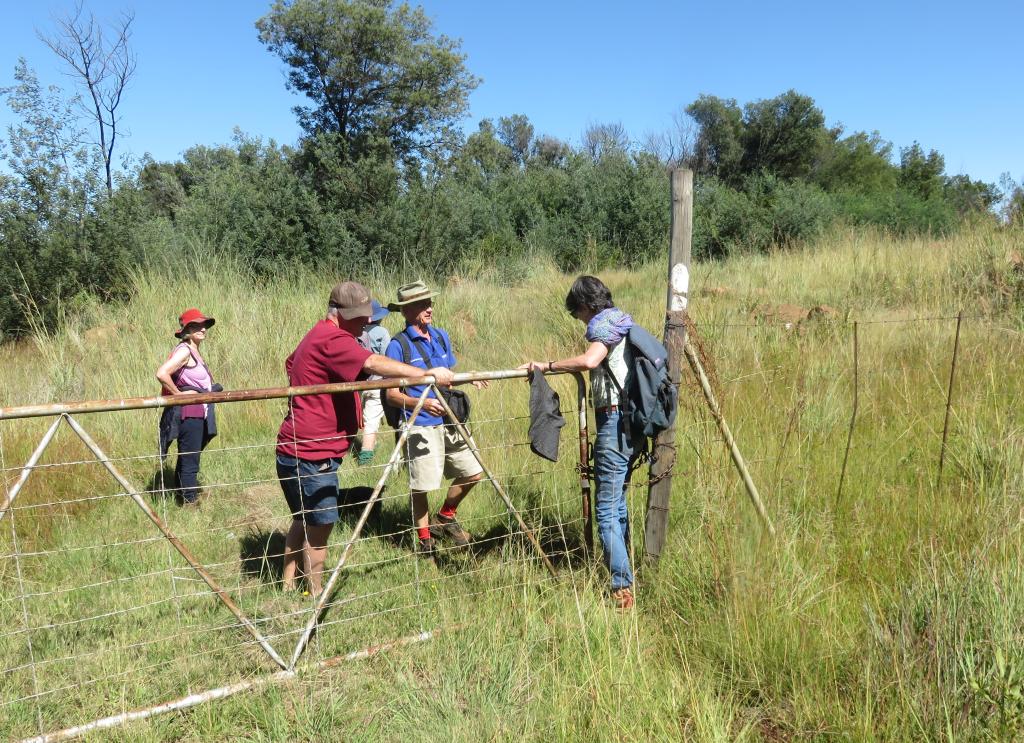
x=633, y=400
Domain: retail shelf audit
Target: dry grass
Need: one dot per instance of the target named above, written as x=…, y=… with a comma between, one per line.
x=892, y=615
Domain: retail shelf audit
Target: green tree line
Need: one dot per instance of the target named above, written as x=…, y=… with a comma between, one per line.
x=383, y=175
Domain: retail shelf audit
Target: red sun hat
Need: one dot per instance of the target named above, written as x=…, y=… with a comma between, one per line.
x=192, y=316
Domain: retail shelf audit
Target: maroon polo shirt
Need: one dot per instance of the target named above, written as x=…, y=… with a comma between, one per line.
x=320, y=426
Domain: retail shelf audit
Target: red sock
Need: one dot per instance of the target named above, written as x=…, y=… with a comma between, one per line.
x=424, y=532
x=447, y=510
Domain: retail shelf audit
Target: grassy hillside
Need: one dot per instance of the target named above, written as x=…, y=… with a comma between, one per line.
x=892, y=614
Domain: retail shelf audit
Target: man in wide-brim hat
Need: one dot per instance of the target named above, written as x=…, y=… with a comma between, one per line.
x=409, y=294
x=318, y=429
x=434, y=448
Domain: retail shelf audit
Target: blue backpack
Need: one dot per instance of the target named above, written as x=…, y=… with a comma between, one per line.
x=648, y=399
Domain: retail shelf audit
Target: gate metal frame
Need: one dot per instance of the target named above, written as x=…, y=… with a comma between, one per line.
x=65, y=411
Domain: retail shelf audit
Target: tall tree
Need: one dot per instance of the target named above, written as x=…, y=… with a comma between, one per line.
x=784, y=135
x=719, y=146
x=919, y=173
x=46, y=201
x=516, y=133
x=1011, y=208
x=53, y=176
x=603, y=139
x=102, y=65
x=861, y=162
x=371, y=72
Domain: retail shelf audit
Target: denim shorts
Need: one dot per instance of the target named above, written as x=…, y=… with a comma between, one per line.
x=310, y=487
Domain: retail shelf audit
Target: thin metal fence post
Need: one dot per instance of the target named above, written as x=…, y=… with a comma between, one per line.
x=853, y=416
x=949, y=398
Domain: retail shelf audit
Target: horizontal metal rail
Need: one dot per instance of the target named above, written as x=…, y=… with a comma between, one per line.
x=267, y=393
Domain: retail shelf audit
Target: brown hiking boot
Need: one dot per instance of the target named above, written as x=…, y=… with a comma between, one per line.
x=427, y=548
x=442, y=526
x=623, y=599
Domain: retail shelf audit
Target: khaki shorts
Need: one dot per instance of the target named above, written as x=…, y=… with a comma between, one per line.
x=435, y=453
x=373, y=411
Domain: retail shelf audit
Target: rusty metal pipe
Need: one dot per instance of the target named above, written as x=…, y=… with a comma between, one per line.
x=266, y=393
x=585, y=491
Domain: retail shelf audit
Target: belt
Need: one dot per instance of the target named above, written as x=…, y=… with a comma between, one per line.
x=607, y=409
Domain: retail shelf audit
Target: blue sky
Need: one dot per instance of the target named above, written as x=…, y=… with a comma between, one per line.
x=948, y=75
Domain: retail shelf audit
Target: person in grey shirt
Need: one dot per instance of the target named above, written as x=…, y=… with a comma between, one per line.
x=376, y=340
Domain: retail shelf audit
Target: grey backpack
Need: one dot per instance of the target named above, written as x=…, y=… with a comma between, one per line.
x=648, y=399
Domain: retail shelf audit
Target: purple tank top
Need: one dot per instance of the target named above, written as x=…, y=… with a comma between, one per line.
x=197, y=376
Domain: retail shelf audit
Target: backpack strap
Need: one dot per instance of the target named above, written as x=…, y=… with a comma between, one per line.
x=444, y=342
x=425, y=351
x=403, y=341
x=625, y=422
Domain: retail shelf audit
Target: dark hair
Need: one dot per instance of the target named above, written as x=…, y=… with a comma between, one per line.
x=589, y=292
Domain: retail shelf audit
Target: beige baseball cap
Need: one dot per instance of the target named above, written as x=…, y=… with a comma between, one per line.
x=352, y=300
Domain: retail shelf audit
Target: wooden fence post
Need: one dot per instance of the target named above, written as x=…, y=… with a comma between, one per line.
x=664, y=450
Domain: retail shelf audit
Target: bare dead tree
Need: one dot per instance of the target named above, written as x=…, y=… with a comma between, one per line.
x=676, y=145
x=600, y=139
x=103, y=66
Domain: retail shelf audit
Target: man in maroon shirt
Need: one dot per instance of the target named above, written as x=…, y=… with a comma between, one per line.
x=317, y=430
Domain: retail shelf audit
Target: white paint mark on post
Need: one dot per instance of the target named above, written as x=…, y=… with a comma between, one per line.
x=680, y=286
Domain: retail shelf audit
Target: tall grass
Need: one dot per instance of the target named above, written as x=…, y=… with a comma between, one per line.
x=891, y=614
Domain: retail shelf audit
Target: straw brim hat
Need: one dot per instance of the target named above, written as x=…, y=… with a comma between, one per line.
x=408, y=294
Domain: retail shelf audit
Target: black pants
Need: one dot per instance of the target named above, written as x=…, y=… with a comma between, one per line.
x=191, y=441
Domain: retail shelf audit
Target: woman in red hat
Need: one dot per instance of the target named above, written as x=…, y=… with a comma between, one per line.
x=185, y=372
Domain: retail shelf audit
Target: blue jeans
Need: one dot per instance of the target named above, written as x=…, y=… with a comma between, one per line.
x=613, y=455
x=310, y=487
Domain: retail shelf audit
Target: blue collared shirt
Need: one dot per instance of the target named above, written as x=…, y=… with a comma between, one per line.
x=439, y=352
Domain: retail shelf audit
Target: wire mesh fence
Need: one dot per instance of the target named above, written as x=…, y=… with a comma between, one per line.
x=118, y=597
x=100, y=613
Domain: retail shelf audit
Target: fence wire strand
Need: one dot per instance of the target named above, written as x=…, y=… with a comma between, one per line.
x=148, y=605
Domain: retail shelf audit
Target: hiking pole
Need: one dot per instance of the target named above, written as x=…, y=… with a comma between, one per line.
x=734, y=450
x=497, y=485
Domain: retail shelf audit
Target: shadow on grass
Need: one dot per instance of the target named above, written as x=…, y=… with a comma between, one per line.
x=262, y=555
x=564, y=548
x=162, y=487
x=262, y=552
